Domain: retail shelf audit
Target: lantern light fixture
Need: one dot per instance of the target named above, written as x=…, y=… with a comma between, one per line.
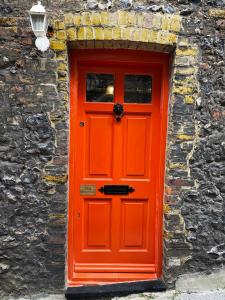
x=39, y=23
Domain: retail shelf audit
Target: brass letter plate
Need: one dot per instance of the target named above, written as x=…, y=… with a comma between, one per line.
x=87, y=189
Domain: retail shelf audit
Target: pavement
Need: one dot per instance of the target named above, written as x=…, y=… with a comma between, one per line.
x=168, y=295
x=198, y=286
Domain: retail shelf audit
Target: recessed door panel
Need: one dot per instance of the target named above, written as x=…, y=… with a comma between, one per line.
x=133, y=231
x=99, y=145
x=136, y=146
x=97, y=224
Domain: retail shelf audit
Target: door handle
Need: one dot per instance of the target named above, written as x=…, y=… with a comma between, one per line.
x=118, y=111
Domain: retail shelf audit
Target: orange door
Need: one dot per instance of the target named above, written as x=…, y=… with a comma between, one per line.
x=114, y=172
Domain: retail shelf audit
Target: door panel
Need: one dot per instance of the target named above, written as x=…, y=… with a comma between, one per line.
x=136, y=146
x=99, y=145
x=115, y=237
x=134, y=215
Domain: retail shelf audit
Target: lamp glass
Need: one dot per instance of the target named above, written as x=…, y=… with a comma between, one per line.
x=38, y=22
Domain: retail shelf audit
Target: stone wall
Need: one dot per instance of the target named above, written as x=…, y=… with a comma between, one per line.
x=34, y=131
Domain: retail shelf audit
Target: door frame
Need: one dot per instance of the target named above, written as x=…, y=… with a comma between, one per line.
x=123, y=56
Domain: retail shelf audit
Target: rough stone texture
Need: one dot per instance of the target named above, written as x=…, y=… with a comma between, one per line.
x=34, y=139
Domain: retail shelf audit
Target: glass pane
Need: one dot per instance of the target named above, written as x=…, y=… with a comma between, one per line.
x=138, y=89
x=38, y=22
x=99, y=87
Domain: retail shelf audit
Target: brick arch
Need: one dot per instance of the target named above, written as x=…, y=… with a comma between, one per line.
x=148, y=31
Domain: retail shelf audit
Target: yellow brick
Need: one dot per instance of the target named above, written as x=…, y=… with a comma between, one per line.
x=153, y=36
x=98, y=33
x=162, y=37
x=89, y=33
x=144, y=37
x=126, y=33
x=95, y=19
x=71, y=34
x=166, y=20
x=8, y=21
x=166, y=208
x=56, y=178
x=57, y=216
x=181, y=166
x=62, y=66
x=183, y=90
x=59, y=25
x=185, y=137
x=139, y=20
x=61, y=35
x=187, y=52
x=77, y=20
x=61, y=56
x=104, y=18
x=172, y=38
x=131, y=18
x=217, y=13
x=157, y=21
x=135, y=34
x=81, y=33
x=122, y=17
x=175, y=24
x=107, y=33
x=184, y=71
x=116, y=33
x=183, y=42
x=69, y=19
x=113, y=19
x=189, y=99
x=86, y=20
x=57, y=45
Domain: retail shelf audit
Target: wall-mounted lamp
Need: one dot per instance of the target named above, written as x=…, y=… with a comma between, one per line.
x=39, y=23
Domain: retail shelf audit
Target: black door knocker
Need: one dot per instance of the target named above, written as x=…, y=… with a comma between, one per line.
x=118, y=111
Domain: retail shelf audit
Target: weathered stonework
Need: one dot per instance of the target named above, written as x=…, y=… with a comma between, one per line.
x=34, y=131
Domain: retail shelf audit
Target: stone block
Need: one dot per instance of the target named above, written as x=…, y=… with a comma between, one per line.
x=89, y=33
x=144, y=35
x=187, y=52
x=107, y=33
x=157, y=21
x=116, y=33
x=175, y=24
x=189, y=99
x=81, y=33
x=153, y=36
x=69, y=19
x=104, y=18
x=57, y=45
x=61, y=35
x=185, y=137
x=95, y=19
x=148, y=21
x=59, y=25
x=122, y=17
x=71, y=34
x=77, y=20
x=8, y=21
x=98, y=33
x=140, y=19
x=217, y=13
x=86, y=18
x=184, y=70
x=184, y=90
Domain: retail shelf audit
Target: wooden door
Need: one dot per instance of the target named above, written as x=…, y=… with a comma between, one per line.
x=115, y=146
